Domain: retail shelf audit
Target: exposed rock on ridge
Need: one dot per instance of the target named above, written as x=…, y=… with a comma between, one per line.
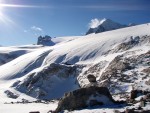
x=105, y=25
x=45, y=40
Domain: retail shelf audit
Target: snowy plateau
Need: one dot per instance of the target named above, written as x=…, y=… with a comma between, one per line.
x=35, y=77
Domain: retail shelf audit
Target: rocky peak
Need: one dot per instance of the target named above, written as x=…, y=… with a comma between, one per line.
x=105, y=25
x=45, y=40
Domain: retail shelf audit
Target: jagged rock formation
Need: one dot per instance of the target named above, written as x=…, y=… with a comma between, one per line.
x=105, y=25
x=51, y=82
x=45, y=40
x=84, y=97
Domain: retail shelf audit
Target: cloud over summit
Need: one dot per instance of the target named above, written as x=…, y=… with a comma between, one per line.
x=95, y=22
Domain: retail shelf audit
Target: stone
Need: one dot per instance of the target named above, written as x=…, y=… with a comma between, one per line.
x=91, y=78
x=84, y=97
x=133, y=94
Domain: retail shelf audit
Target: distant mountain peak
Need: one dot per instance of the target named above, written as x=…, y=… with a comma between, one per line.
x=131, y=24
x=106, y=21
x=98, y=26
x=45, y=40
x=96, y=22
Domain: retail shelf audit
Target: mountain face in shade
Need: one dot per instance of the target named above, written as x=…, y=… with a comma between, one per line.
x=105, y=25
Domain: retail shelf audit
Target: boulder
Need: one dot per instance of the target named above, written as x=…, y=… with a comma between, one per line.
x=91, y=78
x=84, y=97
x=133, y=94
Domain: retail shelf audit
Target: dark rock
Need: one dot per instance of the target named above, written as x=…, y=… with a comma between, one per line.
x=136, y=111
x=45, y=40
x=10, y=94
x=91, y=78
x=133, y=94
x=95, y=102
x=85, y=97
x=34, y=112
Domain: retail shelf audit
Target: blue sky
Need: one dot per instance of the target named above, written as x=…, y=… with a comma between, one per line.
x=22, y=21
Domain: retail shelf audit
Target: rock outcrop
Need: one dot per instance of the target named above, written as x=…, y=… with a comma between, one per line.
x=49, y=83
x=105, y=25
x=91, y=78
x=84, y=97
x=11, y=94
x=45, y=40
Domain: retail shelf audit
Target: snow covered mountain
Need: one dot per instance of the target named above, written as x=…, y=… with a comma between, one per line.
x=105, y=25
x=10, y=53
x=119, y=59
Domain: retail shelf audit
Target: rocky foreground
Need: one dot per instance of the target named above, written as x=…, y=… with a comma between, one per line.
x=101, y=98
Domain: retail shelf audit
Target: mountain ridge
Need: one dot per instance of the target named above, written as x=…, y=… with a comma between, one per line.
x=119, y=59
x=105, y=25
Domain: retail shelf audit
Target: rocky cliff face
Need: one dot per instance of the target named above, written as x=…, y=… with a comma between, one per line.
x=128, y=70
x=49, y=83
x=45, y=41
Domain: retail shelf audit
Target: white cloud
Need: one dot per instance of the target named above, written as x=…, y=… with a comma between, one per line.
x=36, y=31
x=34, y=28
x=95, y=22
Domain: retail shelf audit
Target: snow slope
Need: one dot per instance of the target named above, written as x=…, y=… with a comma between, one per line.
x=48, y=72
x=10, y=53
x=91, y=47
x=23, y=64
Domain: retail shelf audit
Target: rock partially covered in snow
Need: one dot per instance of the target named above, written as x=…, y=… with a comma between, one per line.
x=84, y=97
x=91, y=78
x=51, y=82
x=45, y=40
x=11, y=94
x=105, y=25
x=132, y=24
